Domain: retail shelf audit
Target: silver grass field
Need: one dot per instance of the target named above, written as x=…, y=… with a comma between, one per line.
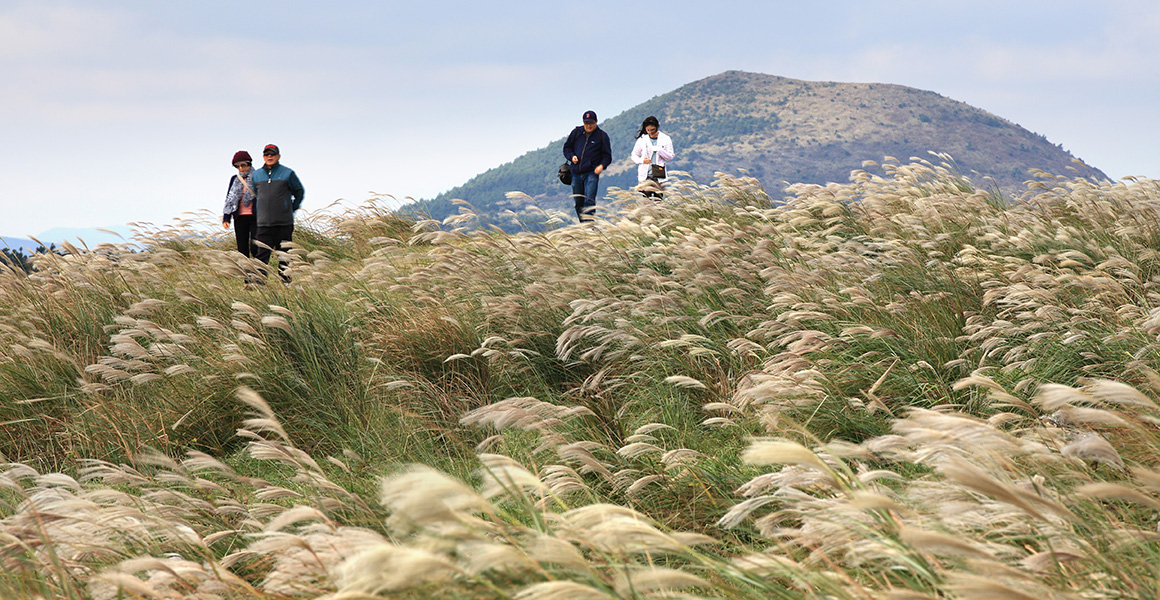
x=907, y=386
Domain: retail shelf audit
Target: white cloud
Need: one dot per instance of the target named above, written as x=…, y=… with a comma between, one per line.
x=35, y=32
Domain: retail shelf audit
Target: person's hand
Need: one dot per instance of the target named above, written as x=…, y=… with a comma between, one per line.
x=575, y=160
x=647, y=161
x=599, y=169
x=225, y=224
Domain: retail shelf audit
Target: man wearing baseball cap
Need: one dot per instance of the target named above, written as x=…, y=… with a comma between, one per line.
x=590, y=152
x=279, y=193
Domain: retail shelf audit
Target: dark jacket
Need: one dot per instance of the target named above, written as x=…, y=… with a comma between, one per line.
x=279, y=194
x=592, y=149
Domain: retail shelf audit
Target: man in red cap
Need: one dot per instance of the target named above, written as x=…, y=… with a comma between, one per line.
x=279, y=193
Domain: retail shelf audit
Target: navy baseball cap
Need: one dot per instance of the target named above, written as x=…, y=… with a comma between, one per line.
x=590, y=117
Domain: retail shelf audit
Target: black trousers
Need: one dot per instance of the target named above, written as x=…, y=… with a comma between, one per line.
x=245, y=226
x=273, y=236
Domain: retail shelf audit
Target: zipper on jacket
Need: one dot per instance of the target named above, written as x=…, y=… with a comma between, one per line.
x=585, y=148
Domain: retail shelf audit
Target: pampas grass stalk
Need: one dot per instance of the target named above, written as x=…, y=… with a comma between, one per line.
x=899, y=386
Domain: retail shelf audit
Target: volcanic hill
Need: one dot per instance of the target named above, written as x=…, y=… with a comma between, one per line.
x=783, y=130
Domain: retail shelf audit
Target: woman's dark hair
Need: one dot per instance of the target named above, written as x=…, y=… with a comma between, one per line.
x=648, y=121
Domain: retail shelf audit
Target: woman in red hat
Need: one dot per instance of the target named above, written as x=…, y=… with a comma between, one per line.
x=240, y=204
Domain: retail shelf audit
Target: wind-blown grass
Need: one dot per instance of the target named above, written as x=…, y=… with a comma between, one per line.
x=901, y=386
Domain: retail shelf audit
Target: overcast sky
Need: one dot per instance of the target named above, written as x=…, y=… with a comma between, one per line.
x=118, y=111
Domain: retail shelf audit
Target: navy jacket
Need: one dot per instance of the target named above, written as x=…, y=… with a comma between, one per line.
x=279, y=194
x=594, y=149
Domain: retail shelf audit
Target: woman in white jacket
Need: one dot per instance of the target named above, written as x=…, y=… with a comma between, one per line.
x=652, y=149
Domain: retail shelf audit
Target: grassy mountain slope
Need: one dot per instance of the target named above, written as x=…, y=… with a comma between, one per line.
x=897, y=387
x=781, y=129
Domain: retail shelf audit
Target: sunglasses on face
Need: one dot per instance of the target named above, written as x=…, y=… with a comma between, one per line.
x=242, y=164
x=269, y=154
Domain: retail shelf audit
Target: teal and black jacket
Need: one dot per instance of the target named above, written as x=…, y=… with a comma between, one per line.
x=279, y=194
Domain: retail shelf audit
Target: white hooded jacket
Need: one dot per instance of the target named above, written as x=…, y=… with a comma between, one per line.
x=644, y=149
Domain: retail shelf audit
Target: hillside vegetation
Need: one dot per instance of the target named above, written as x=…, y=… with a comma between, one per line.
x=898, y=387
x=781, y=130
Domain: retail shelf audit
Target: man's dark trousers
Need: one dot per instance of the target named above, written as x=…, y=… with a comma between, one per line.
x=584, y=186
x=273, y=236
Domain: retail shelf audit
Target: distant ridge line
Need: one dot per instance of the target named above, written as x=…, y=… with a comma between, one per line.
x=781, y=130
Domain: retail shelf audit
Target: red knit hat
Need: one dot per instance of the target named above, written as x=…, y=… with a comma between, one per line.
x=241, y=155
